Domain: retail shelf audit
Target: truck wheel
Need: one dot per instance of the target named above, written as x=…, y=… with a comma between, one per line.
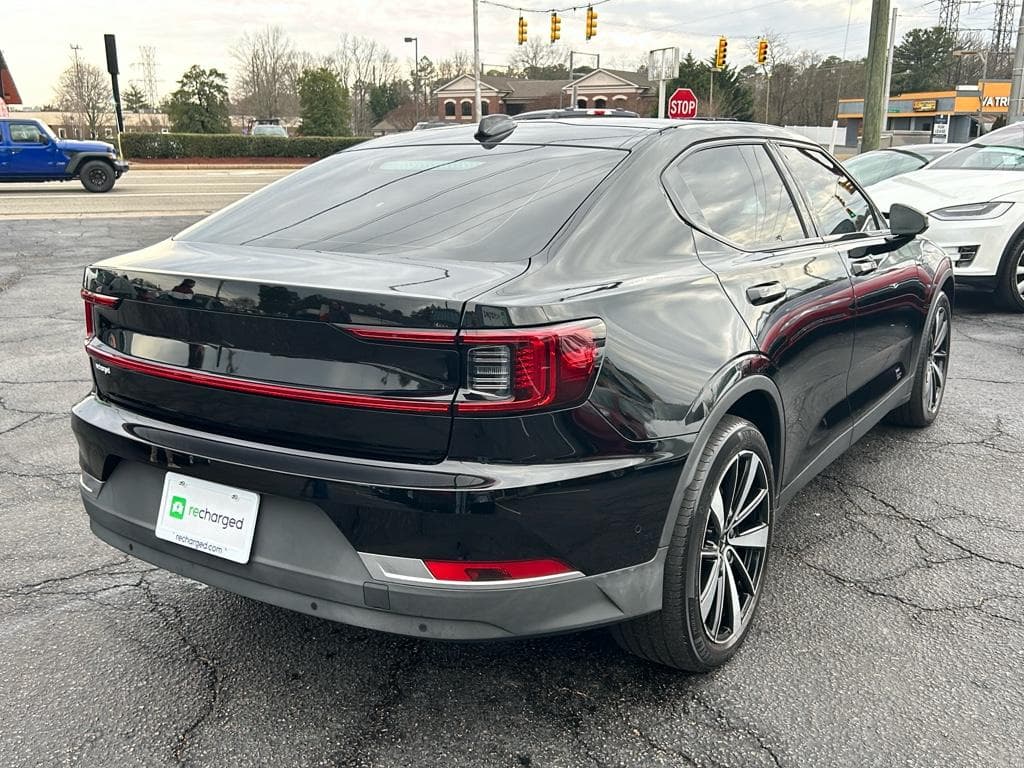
x=97, y=176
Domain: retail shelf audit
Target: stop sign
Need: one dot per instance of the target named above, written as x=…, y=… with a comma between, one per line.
x=682, y=104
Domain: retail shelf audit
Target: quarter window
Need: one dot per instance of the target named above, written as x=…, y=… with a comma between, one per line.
x=741, y=196
x=837, y=205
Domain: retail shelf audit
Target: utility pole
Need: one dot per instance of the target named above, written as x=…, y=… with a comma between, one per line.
x=476, y=59
x=878, y=39
x=888, y=70
x=1014, y=112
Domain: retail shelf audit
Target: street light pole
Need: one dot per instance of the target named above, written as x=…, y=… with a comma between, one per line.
x=416, y=75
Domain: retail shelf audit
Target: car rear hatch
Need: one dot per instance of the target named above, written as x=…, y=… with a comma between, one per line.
x=323, y=311
x=230, y=339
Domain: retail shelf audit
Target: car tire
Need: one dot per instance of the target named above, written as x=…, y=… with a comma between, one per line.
x=702, y=566
x=932, y=370
x=1010, y=288
x=97, y=176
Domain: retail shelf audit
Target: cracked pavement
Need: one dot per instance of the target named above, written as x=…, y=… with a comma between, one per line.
x=891, y=632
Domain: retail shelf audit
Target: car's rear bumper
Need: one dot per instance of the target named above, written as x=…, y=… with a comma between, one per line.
x=303, y=556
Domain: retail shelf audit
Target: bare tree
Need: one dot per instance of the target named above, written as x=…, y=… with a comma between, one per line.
x=459, y=63
x=83, y=94
x=538, y=60
x=362, y=65
x=266, y=73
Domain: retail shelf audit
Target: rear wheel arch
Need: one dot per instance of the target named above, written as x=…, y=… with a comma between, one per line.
x=755, y=398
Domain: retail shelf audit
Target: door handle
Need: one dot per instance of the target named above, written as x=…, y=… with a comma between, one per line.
x=766, y=292
x=863, y=267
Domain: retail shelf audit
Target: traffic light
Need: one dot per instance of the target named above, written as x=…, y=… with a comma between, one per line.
x=762, y=51
x=556, y=28
x=720, y=52
x=591, y=22
x=522, y=30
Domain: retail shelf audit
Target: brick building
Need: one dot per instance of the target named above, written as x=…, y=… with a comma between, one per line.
x=601, y=88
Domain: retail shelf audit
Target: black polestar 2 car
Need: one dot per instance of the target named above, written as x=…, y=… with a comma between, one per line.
x=509, y=379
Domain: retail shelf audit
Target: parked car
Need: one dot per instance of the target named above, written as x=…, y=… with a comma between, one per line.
x=872, y=167
x=268, y=129
x=975, y=201
x=30, y=151
x=508, y=379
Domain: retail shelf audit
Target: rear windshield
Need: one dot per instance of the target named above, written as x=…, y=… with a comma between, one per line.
x=461, y=202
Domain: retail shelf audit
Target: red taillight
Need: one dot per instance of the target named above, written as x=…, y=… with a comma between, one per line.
x=500, y=570
x=530, y=368
x=92, y=299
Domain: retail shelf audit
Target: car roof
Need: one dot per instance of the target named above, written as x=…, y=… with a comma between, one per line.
x=610, y=132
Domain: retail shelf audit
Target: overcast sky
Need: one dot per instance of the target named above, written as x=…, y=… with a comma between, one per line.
x=36, y=37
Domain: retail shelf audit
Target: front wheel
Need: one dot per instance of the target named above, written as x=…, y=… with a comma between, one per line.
x=715, y=567
x=1011, y=279
x=97, y=176
x=932, y=370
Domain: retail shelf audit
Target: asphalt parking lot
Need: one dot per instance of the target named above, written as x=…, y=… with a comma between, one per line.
x=891, y=632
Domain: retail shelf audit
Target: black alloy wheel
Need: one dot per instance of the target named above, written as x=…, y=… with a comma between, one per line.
x=716, y=560
x=932, y=371
x=735, y=548
x=97, y=176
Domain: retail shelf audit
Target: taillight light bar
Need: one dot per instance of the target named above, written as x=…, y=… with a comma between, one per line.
x=529, y=368
x=252, y=387
x=93, y=299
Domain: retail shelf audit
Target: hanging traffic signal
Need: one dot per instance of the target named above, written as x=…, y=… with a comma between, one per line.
x=720, y=52
x=591, y=22
x=522, y=30
x=556, y=28
x=762, y=51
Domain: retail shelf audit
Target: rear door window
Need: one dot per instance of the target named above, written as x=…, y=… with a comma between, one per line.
x=836, y=204
x=739, y=194
x=461, y=202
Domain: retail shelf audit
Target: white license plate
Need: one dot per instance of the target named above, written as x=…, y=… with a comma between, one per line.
x=208, y=517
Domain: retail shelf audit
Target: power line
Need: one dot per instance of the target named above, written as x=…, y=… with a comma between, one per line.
x=543, y=10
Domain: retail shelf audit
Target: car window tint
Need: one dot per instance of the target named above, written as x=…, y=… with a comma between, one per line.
x=25, y=133
x=837, y=205
x=873, y=167
x=741, y=195
x=462, y=202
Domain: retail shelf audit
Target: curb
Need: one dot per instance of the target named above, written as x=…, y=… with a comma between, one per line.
x=136, y=165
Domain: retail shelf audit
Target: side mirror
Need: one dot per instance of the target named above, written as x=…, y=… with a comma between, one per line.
x=43, y=139
x=905, y=221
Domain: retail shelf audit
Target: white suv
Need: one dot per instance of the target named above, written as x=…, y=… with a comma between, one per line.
x=975, y=203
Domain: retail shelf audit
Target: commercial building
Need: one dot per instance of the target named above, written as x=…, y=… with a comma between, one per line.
x=947, y=116
x=600, y=88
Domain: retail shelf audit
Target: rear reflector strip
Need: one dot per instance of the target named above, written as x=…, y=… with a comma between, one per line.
x=473, y=574
x=499, y=570
x=251, y=387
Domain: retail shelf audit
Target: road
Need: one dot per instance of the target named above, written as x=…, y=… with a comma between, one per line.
x=137, y=193
x=891, y=632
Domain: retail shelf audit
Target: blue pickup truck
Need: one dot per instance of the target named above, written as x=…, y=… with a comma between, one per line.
x=30, y=151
